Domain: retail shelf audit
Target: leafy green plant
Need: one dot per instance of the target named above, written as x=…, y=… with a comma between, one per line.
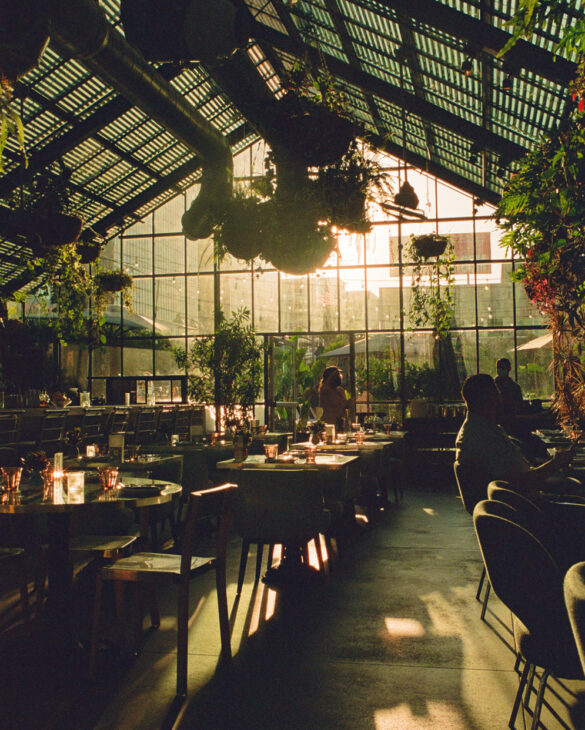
x=432, y=303
x=225, y=368
x=10, y=121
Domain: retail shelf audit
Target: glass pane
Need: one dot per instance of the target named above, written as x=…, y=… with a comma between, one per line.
x=465, y=353
x=138, y=256
x=167, y=218
x=323, y=302
x=351, y=249
x=266, y=301
x=110, y=254
x=494, y=344
x=138, y=357
x=200, y=255
x=293, y=303
x=107, y=361
x=533, y=360
x=139, y=322
x=527, y=313
x=169, y=305
x=200, y=318
x=352, y=299
x=169, y=255
x=377, y=370
x=164, y=356
x=141, y=227
x=453, y=203
x=496, y=250
x=383, y=298
x=464, y=296
x=235, y=292
x=382, y=245
x=495, y=297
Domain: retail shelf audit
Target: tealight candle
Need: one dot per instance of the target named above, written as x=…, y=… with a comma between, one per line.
x=90, y=451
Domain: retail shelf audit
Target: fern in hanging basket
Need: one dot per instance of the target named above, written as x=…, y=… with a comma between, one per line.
x=429, y=245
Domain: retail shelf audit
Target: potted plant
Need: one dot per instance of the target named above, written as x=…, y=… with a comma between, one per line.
x=225, y=369
x=109, y=283
x=24, y=34
x=42, y=212
x=89, y=246
x=430, y=245
x=432, y=303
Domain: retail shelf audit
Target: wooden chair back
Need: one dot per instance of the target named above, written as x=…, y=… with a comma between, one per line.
x=218, y=501
x=9, y=428
x=146, y=424
x=92, y=423
x=52, y=430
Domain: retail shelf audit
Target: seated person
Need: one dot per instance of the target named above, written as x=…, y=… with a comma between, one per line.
x=483, y=444
x=510, y=394
x=332, y=398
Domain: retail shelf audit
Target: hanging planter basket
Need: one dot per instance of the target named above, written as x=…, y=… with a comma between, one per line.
x=310, y=134
x=430, y=245
x=44, y=232
x=24, y=35
x=243, y=228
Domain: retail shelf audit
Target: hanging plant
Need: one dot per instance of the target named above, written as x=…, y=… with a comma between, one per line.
x=108, y=283
x=430, y=245
x=432, y=303
x=42, y=213
x=242, y=229
x=89, y=246
x=24, y=34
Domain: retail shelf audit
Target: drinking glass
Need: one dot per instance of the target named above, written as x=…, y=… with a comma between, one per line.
x=108, y=477
x=360, y=437
x=11, y=477
x=271, y=450
x=310, y=452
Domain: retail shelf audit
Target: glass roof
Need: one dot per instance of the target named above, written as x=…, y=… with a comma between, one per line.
x=387, y=56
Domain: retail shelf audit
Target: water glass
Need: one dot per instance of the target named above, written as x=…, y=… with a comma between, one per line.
x=360, y=437
x=11, y=477
x=108, y=477
x=271, y=450
x=310, y=454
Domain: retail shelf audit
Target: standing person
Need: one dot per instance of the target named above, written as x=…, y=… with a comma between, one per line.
x=332, y=397
x=510, y=394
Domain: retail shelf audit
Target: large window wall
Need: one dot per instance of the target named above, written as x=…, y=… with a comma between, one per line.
x=353, y=311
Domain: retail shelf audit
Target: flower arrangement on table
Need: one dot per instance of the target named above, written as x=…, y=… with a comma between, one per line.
x=316, y=428
x=35, y=461
x=74, y=439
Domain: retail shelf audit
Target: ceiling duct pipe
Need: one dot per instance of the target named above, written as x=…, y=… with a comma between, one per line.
x=80, y=29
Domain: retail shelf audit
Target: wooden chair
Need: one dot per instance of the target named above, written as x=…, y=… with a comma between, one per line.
x=145, y=426
x=52, y=431
x=151, y=568
x=9, y=429
x=182, y=424
x=279, y=507
x=165, y=423
x=92, y=425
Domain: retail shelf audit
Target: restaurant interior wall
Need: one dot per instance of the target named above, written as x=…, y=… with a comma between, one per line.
x=358, y=302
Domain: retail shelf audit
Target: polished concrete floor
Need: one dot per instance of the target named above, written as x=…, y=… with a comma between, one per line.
x=392, y=641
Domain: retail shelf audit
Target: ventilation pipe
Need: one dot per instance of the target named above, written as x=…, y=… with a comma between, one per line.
x=80, y=30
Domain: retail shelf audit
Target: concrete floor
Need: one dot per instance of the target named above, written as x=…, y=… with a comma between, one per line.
x=392, y=641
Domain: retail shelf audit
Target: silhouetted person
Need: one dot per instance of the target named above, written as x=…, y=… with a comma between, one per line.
x=511, y=396
x=332, y=397
x=483, y=444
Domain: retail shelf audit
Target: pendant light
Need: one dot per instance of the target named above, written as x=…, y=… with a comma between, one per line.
x=405, y=197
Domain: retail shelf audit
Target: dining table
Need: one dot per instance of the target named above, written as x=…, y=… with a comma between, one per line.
x=59, y=507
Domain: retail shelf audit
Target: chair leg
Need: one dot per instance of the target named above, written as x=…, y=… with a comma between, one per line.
x=485, y=600
x=270, y=557
x=539, y=699
x=320, y=555
x=259, y=553
x=95, y=626
x=138, y=591
x=224, y=620
x=518, y=697
x=182, y=637
x=529, y=686
x=243, y=561
x=480, y=586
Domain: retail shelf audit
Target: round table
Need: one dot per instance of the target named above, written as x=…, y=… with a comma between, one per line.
x=59, y=509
